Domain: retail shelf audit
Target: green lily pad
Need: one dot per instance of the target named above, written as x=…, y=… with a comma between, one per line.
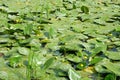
x=48, y=63
x=81, y=35
x=110, y=77
x=23, y=51
x=3, y=75
x=95, y=60
x=113, y=55
x=114, y=67
x=4, y=40
x=73, y=75
x=105, y=66
x=117, y=28
x=14, y=61
x=73, y=58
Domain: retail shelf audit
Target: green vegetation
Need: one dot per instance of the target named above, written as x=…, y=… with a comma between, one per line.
x=59, y=39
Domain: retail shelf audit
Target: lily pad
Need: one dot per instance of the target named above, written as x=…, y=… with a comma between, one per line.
x=105, y=66
x=23, y=51
x=113, y=55
x=73, y=75
x=73, y=58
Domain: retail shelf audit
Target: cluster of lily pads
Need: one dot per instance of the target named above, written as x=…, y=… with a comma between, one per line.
x=59, y=40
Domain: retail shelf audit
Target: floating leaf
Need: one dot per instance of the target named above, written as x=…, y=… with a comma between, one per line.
x=48, y=63
x=3, y=75
x=117, y=28
x=81, y=65
x=114, y=67
x=113, y=55
x=86, y=78
x=4, y=40
x=96, y=60
x=73, y=75
x=99, y=46
x=96, y=51
x=68, y=29
x=73, y=58
x=23, y=50
x=14, y=61
x=99, y=68
x=51, y=32
x=110, y=77
x=28, y=29
x=105, y=66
